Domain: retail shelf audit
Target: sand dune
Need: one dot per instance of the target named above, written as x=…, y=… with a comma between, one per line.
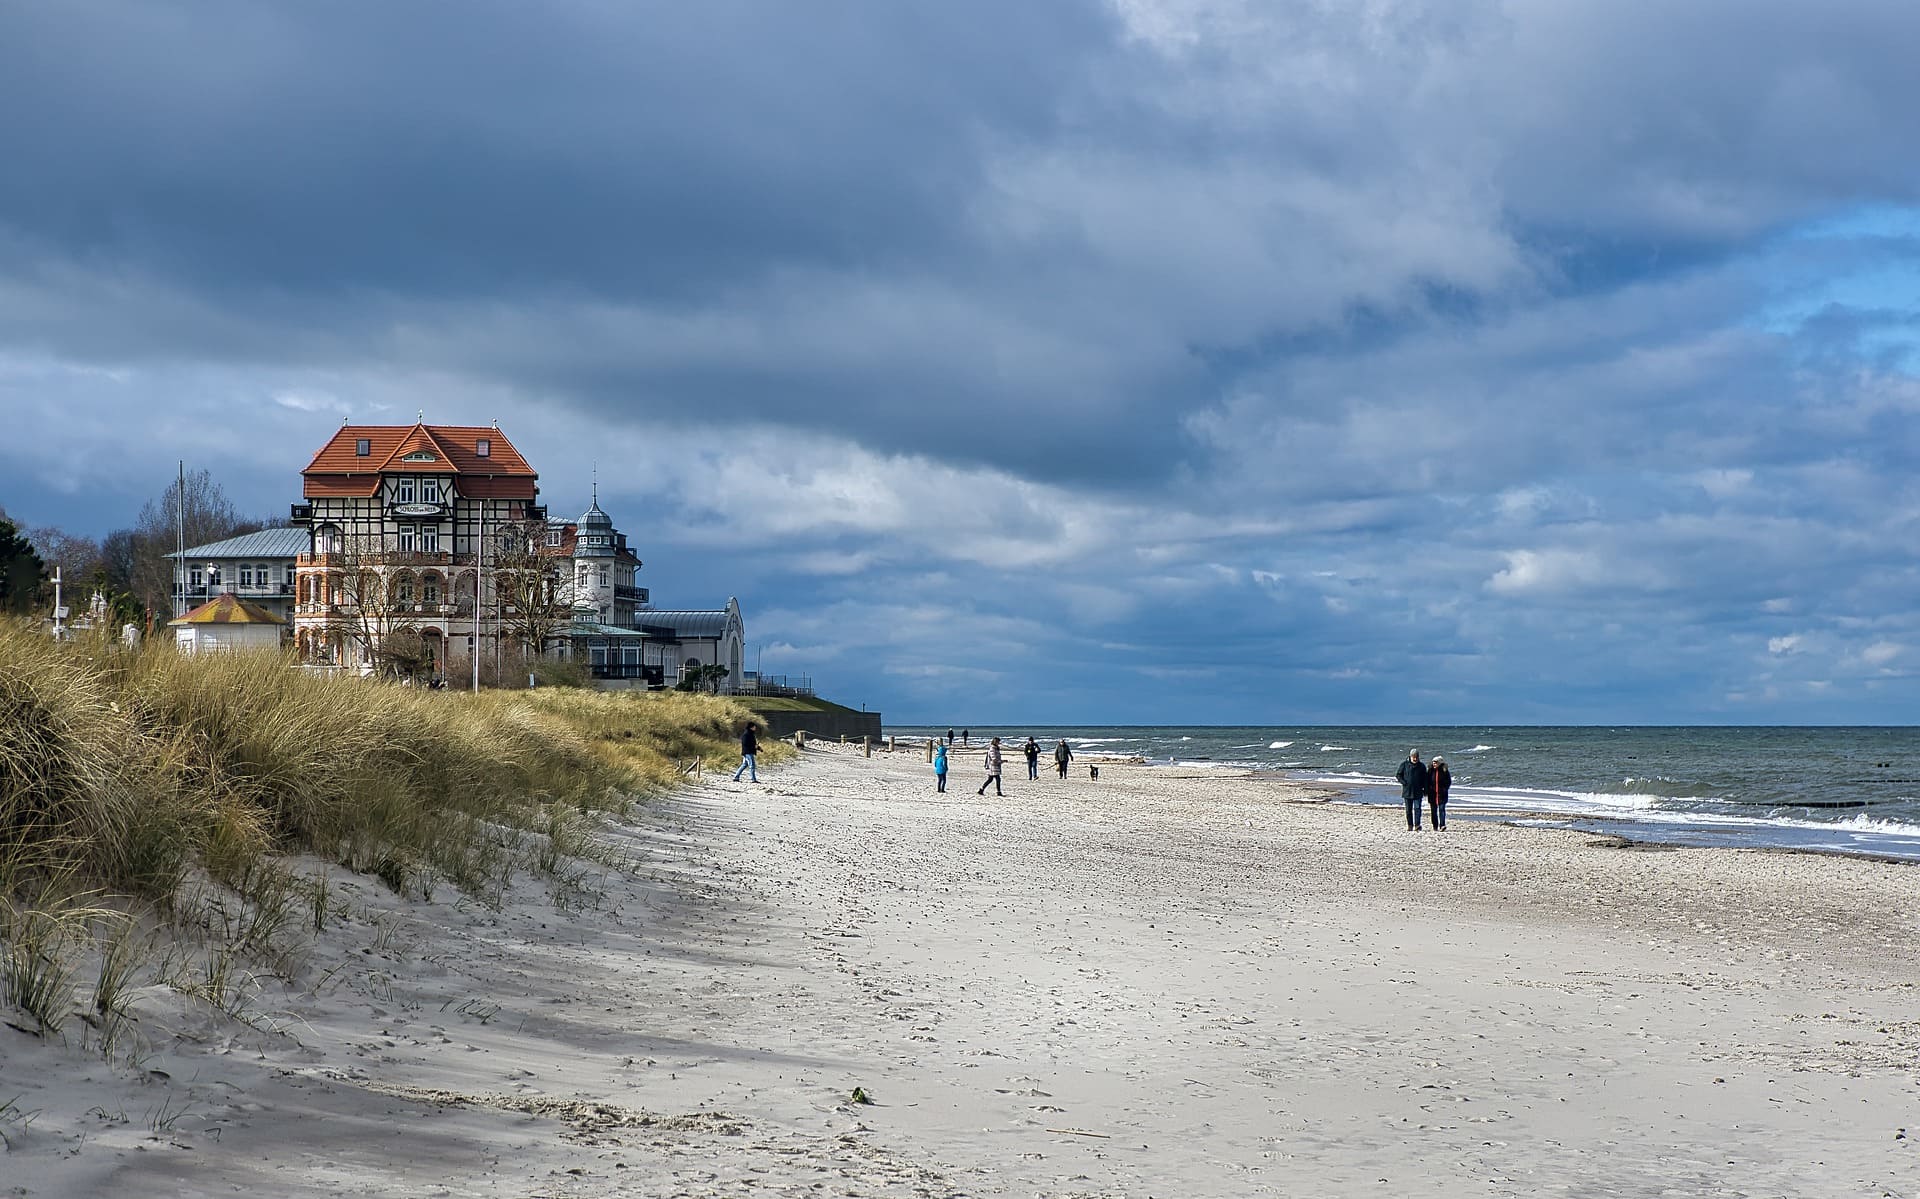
x=1159, y=984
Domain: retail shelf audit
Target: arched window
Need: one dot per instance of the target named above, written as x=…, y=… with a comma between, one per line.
x=326, y=539
x=430, y=589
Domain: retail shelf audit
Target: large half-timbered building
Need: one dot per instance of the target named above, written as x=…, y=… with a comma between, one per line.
x=404, y=523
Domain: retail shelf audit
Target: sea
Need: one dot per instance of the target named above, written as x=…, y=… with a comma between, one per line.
x=1853, y=791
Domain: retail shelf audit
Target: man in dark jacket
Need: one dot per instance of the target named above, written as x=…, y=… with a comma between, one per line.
x=749, y=746
x=1413, y=786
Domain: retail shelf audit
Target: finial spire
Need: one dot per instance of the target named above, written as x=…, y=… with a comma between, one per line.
x=420, y=414
x=596, y=482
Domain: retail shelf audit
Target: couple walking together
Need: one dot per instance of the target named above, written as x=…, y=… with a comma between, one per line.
x=1419, y=781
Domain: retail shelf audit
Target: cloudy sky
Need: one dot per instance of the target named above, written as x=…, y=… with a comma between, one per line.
x=1159, y=361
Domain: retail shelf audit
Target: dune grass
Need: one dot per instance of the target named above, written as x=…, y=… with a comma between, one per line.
x=124, y=775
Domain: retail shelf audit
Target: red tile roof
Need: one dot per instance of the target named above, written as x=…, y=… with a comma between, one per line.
x=437, y=449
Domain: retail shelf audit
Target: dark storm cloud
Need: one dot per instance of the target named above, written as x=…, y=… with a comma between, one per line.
x=489, y=149
x=1296, y=348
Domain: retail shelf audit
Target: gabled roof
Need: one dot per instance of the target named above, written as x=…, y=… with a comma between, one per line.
x=227, y=608
x=434, y=450
x=267, y=543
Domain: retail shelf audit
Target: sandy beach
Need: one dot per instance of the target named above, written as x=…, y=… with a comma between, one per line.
x=1165, y=983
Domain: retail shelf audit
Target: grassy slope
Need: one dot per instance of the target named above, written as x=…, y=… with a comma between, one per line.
x=128, y=781
x=788, y=703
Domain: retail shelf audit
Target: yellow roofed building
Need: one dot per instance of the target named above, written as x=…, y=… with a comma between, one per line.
x=227, y=622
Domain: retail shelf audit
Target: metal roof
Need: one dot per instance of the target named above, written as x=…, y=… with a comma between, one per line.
x=687, y=624
x=267, y=543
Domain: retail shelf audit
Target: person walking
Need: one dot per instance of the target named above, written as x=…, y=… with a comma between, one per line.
x=940, y=767
x=949, y=736
x=749, y=746
x=1439, y=782
x=1061, y=756
x=993, y=769
x=1413, y=786
x=966, y=737
x=1032, y=750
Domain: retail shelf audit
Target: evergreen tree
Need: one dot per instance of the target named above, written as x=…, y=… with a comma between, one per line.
x=22, y=574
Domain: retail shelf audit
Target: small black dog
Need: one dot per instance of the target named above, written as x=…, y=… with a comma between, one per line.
x=1093, y=772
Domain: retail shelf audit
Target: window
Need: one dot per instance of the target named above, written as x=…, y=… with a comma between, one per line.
x=429, y=491
x=483, y=447
x=193, y=579
x=603, y=576
x=326, y=539
x=430, y=590
x=553, y=537
x=403, y=591
x=213, y=576
x=406, y=539
x=362, y=448
x=405, y=493
x=263, y=574
x=429, y=539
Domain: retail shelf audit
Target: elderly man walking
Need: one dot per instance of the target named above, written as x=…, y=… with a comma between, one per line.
x=1414, y=782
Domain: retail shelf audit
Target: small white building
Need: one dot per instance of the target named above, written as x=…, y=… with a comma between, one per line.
x=227, y=622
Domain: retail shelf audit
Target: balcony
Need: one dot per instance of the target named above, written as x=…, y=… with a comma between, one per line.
x=638, y=595
x=411, y=559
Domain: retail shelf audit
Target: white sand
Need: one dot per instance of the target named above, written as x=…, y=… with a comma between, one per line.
x=1165, y=983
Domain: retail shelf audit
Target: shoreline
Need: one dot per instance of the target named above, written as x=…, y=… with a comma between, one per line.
x=1148, y=985
x=1703, y=831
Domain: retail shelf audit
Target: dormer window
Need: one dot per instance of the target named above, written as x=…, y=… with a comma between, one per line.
x=553, y=537
x=362, y=447
x=483, y=448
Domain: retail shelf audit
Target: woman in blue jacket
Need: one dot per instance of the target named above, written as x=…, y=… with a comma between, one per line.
x=940, y=766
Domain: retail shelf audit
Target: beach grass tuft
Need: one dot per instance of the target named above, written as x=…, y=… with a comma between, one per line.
x=187, y=786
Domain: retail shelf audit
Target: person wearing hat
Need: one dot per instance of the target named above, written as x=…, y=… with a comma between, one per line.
x=1439, y=782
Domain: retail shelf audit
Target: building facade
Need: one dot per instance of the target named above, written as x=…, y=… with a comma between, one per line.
x=407, y=528
x=257, y=567
x=604, y=571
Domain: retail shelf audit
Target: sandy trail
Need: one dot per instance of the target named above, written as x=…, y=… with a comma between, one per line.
x=1160, y=984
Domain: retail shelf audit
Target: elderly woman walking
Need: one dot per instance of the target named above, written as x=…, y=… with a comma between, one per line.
x=1439, y=782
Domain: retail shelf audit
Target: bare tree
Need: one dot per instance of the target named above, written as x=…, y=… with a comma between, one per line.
x=77, y=557
x=372, y=597
x=534, y=587
x=207, y=515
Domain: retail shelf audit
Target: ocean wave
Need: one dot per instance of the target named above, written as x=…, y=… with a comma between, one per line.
x=1477, y=749
x=1280, y=745
x=1326, y=748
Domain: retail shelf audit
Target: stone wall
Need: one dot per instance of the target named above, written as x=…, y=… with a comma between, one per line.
x=829, y=726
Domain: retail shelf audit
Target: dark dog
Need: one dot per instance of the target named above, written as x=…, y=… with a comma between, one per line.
x=1093, y=772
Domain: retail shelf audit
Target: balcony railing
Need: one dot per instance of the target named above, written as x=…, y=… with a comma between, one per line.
x=378, y=558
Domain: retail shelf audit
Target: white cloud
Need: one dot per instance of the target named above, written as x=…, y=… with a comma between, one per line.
x=1881, y=653
x=1552, y=570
